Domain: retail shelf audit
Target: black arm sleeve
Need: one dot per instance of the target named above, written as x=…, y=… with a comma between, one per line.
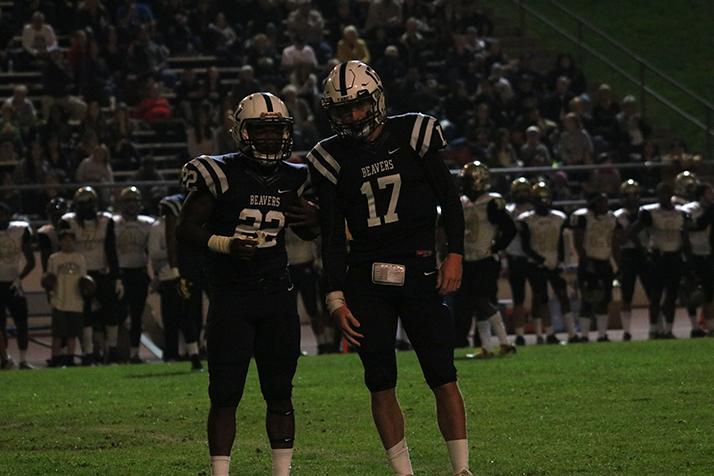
x=110, y=249
x=45, y=246
x=526, y=242
x=561, y=243
x=448, y=196
x=506, y=227
x=334, y=241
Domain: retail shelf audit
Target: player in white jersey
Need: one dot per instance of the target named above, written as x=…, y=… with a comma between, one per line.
x=701, y=212
x=15, y=246
x=47, y=239
x=132, y=235
x=595, y=232
x=96, y=240
x=489, y=229
x=685, y=186
x=172, y=288
x=541, y=231
x=517, y=259
x=634, y=261
x=669, y=246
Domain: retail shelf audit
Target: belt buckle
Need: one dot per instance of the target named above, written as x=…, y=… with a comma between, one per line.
x=388, y=274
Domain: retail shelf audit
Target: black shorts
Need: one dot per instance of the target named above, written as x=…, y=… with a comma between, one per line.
x=480, y=278
x=67, y=324
x=601, y=279
x=240, y=326
x=703, y=267
x=517, y=275
x=634, y=262
x=426, y=319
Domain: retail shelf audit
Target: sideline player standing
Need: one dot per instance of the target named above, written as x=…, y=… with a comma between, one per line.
x=15, y=244
x=237, y=210
x=132, y=232
x=488, y=230
x=384, y=177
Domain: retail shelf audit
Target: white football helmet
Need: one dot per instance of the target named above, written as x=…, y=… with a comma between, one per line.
x=263, y=128
x=348, y=86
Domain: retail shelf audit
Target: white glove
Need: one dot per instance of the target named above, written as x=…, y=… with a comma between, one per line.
x=119, y=289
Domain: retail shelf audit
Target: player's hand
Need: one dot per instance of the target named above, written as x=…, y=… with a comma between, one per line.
x=304, y=213
x=183, y=287
x=348, y=325
x=16, y=287
x=449, y=278
x=119, y=289
x=243, y=248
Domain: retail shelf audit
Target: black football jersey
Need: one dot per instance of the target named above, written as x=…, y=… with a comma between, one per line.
x=388, y=191
x=247, y=204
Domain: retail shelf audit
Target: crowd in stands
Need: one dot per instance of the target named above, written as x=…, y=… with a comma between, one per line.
x=106, y=78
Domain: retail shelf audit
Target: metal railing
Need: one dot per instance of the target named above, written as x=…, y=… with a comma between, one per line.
x=703, y=121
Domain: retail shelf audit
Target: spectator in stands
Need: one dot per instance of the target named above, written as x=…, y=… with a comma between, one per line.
x=501, y=153
x=94, y=77
x=133, y=16
x=494, y=54
x=32, y=170
x=386, y=14
x=23, y=109
x=352, y=47
x=458, y=14
x=307, y=23
x=605, y=112
x=200, y=17
x=412, y=42
x=57, y=158
x=121, y=128
x=154, y=107
x=9, y=128
x=534, y=153
x=37, y=38
x=575, y=147
x=247, y=84
x=345, y=14
x=523, y=67
x=87, y=143
x=147, y=172
x=77, y=51
x=212, y=89
x=96, y=121
x=224, y=138
x=180, y=39
x=223, y=35
x=58, y=83
x=555, y=106
x=565, y=66
x=199, y=132
x=97, y=169
x=473, y=42
x=145, y=57
x=391, y=68
x=298, y=53
x=92, y=16
x=580, y=106
x=483, y=120
x=605, y=178
x=457, y=105
x=189, y=93
x=113, y=52
x=304, y=127
x=631, y=129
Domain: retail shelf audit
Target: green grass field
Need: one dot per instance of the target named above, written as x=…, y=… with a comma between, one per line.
x=636, y=408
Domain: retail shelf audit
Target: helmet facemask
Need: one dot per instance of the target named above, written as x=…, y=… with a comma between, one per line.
x=266, y=140
x=342, y=115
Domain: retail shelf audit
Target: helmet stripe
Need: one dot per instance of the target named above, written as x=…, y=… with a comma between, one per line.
x=268, y=102
x=343, y=79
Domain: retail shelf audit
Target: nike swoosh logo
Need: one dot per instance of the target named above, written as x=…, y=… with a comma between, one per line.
x=285, y=191
x=393, y=151
x=429, y=273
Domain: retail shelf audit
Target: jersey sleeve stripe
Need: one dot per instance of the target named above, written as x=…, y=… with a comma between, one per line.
x=207, y=177
x=428, y=132
x=172, y=205
x=328, y=158
x=321, y=168
x=305, y=184
x=415, y=131
x=222, y=178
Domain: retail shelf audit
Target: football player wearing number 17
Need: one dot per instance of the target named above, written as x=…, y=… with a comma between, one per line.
x=384, y=177
x=237, y=208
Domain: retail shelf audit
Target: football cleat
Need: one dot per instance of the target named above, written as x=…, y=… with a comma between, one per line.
x=697, y=333
x=573, y=340
x=481, y=354
x=136, y=360
x=506, y=349
x=552, y=339
x=604, y=338
x=25, y=366
x=196, y=365
x=584, y=339
x=667, y=335
x=539, y=340
x=7, y=364
x=520, y=340
x=626, y=336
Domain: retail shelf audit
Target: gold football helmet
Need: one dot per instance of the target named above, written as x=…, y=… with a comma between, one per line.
x=475, y=176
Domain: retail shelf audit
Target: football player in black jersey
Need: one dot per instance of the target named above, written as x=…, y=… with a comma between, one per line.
x=237, y=210
x=384, y=177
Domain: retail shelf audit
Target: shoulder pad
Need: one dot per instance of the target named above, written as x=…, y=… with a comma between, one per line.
x=205, y=172
x=559, y=214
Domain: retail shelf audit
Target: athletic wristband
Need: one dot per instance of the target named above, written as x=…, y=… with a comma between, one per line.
x=173, y=274
x=334, y=301
x=220, y=244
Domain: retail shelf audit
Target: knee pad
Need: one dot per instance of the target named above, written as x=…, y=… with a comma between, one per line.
x=380, y=370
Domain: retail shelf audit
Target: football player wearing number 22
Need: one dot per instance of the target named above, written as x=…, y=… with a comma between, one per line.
x=384, y=177
x=237, y=209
